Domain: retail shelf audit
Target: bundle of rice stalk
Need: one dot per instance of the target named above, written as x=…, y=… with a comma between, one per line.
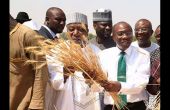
x=38, y=53
x=84, y=59
x=73, y=55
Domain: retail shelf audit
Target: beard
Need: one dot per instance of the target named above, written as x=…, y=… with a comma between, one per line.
x=103, y=34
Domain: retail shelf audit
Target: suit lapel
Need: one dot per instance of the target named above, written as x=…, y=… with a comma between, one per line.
x=46, y=32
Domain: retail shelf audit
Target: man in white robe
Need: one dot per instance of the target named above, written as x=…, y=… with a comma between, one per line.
x=72, y=92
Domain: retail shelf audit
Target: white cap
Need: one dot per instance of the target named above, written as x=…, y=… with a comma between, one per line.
x=77, y=18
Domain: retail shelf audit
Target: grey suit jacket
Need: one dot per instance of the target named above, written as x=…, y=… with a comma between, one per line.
x=44, y=32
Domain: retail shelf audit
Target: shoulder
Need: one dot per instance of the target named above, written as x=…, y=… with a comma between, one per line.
x=45, y=32
x=154, y=45
x=26, y=31
x=155, y=54
x=141, y=51
x=33, y=25
x=32, y=38
x=94, y=48
x=108, y=51
x=42, y=30
x=134, y=43
x=156, y=51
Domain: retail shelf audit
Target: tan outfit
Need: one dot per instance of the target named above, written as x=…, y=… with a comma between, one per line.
x=27, y=85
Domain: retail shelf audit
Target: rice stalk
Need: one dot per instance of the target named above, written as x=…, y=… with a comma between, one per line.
x=85, y=60
x=72, y=54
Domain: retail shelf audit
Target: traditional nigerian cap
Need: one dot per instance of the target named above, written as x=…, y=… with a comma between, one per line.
x=102, y=15
x=77, y=18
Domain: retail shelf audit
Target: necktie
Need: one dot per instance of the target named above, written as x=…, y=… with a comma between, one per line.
x=121, y=73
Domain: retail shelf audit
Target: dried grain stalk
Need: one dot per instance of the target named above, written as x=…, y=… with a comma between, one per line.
x=82, y=59
x=72, y=54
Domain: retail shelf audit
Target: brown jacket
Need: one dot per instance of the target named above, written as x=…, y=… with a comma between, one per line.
x=27, y=84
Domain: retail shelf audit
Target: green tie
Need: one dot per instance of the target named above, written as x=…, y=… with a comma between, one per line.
x=121, y=73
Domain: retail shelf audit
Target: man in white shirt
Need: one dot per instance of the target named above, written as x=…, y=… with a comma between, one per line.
x=143, y=32
x=71, y=92
x=137, y=68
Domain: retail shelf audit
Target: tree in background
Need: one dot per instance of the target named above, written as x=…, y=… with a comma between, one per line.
x=90, y=36
x=63, y=35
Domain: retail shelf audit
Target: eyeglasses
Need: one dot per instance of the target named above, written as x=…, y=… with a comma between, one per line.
x=143, y=30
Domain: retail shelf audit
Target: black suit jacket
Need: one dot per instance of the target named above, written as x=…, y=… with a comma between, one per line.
x=44, y=32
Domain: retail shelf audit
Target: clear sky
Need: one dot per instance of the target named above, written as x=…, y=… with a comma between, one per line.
x=122, y=10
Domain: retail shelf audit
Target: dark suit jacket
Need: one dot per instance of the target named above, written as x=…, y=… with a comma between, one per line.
x=44, y=32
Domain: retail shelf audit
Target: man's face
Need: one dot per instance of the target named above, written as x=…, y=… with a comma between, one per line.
x=123, y=35
x=157, y=35
x=78, y=32
x=143, y=32
x=103, y=29
x=56, y=21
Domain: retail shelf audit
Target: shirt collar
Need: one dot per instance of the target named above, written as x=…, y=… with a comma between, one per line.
x=127, y=51
x=51, y=32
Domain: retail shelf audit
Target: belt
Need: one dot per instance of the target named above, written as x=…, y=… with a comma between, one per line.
x=130, y=105
x=140, y=105
x=135, y=103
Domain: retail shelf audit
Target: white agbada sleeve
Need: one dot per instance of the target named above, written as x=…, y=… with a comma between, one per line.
x=63, y=90
x=55, y=72
x=65, y=99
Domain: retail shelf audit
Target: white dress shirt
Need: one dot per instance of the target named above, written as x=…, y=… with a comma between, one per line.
x=74, y=94
x=137, y=72
x=150, y=49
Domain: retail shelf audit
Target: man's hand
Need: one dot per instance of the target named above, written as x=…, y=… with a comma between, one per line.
x=67, y=71
x=111, y=86
x=158, y=80
x=92, y=74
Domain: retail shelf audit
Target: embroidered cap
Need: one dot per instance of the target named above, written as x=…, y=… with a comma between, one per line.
x=77, y=18
x=102, y=15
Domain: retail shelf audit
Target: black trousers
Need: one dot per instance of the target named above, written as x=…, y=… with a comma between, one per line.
x=101, y=96
x=131, y=106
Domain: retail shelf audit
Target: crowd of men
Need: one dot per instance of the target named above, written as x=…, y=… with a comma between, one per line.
x=132, y=67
